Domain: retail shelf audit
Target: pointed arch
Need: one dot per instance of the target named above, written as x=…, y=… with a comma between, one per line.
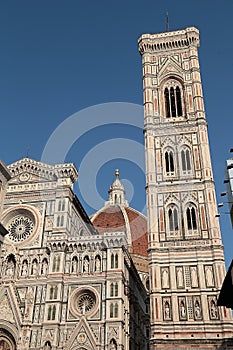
x=173, y=98
x=191, y=217
x=173, y=218
x=185, y=156
x=169, y=162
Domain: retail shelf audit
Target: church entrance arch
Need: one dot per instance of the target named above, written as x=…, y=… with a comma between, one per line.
x=6, y=341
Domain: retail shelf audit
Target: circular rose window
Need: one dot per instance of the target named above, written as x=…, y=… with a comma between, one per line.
x=21, y=224
x=20, y=228
x=86, y=301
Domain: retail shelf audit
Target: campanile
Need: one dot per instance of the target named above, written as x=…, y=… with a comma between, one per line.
x=186, y=261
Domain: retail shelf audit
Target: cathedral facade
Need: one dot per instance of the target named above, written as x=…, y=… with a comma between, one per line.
x=72, y=282
x=63, y=284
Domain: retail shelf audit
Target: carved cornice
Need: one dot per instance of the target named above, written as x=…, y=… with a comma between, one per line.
x=44, y=172
x=175, y=40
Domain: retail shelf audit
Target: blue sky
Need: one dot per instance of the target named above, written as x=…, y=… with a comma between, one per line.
x=59, y=57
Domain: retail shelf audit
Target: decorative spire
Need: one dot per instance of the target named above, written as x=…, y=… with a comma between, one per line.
x=117, y=192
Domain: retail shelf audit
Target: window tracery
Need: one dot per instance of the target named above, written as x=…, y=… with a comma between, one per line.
x=51, y=312
x=113, y=310
x=173, y=218
x=173, y=99
x=114, y=289
x=114, y=261
x=185, y=161
x=53, y=292
x=191, y=217
x=20, y=228
x=56, y=263
x=169, y=162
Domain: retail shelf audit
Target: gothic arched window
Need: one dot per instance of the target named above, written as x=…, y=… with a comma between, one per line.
x=173, y=101
x=185, y=160
x=116, y=310
x=44, y=266
x=24, y=269
x=116, y=261
x=112, y=261
x=56, y=264
x=173, y=219
x=59, y=206
x=50, y=312
x=167, y=103
x=62, y=220
x=178, y=101
x=191, y=218
x=169, y=162
x=53, y=292
x=111, y=310
x=116, y=289
x=53, y=312
x=111, y=290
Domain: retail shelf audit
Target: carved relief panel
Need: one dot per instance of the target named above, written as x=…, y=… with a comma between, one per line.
x=167, y=309
x=165, y=278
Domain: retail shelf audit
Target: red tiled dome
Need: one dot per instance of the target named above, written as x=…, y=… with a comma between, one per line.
x=117, y=216
x=113, y=218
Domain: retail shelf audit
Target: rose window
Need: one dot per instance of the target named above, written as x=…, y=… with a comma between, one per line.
x=20, y=228
x=86, y=301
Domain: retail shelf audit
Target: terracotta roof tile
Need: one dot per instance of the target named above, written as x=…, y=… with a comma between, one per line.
x=111, y=219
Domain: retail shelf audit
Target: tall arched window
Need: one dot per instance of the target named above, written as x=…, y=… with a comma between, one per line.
x=53, y=292
x=59, y=206
x=191, y=218
x=56, y=264
x=178, y=101
x=185, y=160
x=173, y=101
x=112, y=261
x=51, y=312
x=116, y=261
x=116, y=289
x=111, y=290
x=62, y=220
x=167, y=103
x=116, y=310
x=111, y=310
x=169, y=162
x=173, y=219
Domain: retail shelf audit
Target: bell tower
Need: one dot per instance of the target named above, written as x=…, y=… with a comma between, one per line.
x=186, y=258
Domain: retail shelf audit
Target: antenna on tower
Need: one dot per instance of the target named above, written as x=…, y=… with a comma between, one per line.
x=27, y=151
x=167, y=22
